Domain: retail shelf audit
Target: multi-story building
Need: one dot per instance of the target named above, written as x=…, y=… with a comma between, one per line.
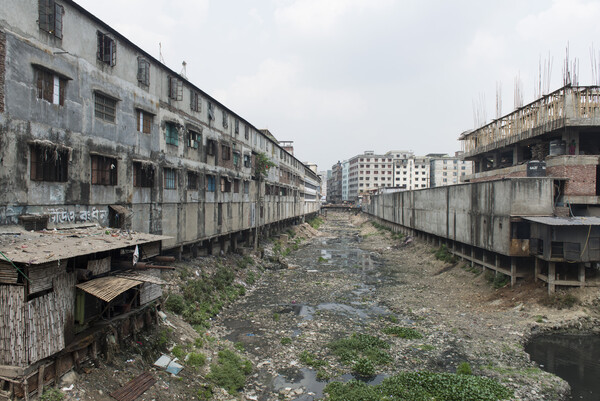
x=410, y=171
x=93, y=129
x=367, y=173
x=345, y=171
x=334, y=184
x=447, y=170
x=323, y=177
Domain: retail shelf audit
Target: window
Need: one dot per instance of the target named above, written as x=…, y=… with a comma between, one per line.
x=225, y=184
x=144, y=121
x=143, y=72
x=247, y=160
x=236, y=186
x=104, y=170
x=210, y=147
x=51, y=17
x=172, y=134
x=225, y=152
x=170, y=178
x=193, y=139
x=104, y=107
x=195, y=103
x=50, y=86
x=210, y=183
x=107, y=49
x=237, y=126
x=49, y=163
x=175, y=88
x=143, y=175
x=236, y=159
x=246, y=132
x=225, y=119
x=246, y=187
x=192, y=180
x=211, y=111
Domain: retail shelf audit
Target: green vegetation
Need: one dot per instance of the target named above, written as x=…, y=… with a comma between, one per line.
x=203, y=297
x=276, y=316
x=444, y=255
x=286, y=341
x=52, y=394
x=403, y=332
x=315, y=222
x=464, y=368
x=357, y=346
x=560, y=300
x=196, y=359
x=245, y=262
x=178, y=352
x=364, y=367
x=421, y=386
x=426, y=347
x=250, y=278
x=322, y=375
x=262, y=164
x=310, y=359
x=497, y=280
x=230, y=371
x=239, y=346
x=205, y=393
x=322, y=259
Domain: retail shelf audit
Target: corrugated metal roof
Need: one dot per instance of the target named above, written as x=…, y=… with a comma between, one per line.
x=108, y=288
x=141, y=277
x=565, y=221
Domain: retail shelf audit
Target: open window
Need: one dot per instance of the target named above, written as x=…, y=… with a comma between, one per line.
x=107, y=49
x=49, y=163
x=51, y=17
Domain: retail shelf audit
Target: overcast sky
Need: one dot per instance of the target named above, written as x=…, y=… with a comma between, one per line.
x=339, y=77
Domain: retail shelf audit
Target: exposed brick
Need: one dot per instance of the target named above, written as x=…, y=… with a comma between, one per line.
x=581, y=179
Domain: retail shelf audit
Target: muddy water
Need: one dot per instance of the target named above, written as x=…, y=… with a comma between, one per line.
x=575, y=358
x=307, y=296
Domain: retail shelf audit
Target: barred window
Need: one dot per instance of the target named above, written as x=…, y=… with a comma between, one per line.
x=170, y=178
x=50, y=86
x=143, y=72
x=143, y=175
x=236, y=159
x=211, y=147
x=49, y=163
x=247, y=160
x=246, y=132
x=144, y=121
x=246, y=187
x=172, y=135
x=105, y=107
x=192, y=180
x=51, y=17
x=237, y=126
x=225, y=184
x=104, y=170
x=107, y=49
x=236, y=186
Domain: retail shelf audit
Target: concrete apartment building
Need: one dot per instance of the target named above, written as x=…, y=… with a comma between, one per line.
x=345, y=175
x=410, y=171
x=334, y=184
x=95, y=131
x=448, y=170
x=368, y=172
x=531, y=206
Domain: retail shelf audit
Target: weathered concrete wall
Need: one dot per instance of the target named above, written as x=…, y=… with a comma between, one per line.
x=186, y=213
x=477, y=214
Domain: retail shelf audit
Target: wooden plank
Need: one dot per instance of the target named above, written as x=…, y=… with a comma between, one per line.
x=134, y=388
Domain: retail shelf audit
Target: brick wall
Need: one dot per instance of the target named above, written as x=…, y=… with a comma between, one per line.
x=2, y=68
x=582, y=178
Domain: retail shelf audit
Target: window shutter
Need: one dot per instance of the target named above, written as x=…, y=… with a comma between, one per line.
x=100, y=51
x=45, y=8
x=113, y=51
x=58, y=22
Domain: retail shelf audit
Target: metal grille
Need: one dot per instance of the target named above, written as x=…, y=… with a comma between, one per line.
x=105, y=107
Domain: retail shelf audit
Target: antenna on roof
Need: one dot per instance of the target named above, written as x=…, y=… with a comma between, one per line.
x=160, y=56
x=183, y=72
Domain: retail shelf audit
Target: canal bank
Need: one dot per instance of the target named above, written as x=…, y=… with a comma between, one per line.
x=356, y=278
x=353, y=284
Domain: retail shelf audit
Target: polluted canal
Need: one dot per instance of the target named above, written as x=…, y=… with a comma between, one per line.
x=357, y=302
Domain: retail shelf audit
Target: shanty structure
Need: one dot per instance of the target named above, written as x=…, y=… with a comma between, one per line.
x=61, y=292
